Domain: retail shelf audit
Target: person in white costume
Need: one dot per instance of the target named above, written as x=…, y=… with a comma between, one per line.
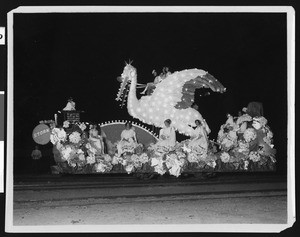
x=199, y=140
x=167, y=135
x=70, y=105
x=96, y=140
x=128, y=140
x=151, y=85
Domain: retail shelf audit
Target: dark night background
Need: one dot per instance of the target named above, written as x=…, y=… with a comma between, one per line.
x=80, y=55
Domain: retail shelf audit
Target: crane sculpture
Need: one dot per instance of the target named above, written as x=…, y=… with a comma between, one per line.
x=171, y=99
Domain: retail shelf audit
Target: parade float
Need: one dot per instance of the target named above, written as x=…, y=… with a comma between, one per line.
x=244, y=143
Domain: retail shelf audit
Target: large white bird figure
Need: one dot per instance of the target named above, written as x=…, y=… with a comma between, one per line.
x=171, y=99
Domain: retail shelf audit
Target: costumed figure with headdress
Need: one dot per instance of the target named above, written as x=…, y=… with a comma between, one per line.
x=70, y=105
x=199, y=140
x=167, y=136
x=96, y=140
x=128, y=140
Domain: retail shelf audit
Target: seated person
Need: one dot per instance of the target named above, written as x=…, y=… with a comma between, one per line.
x=128, y=140
x=96, y=140
x=166, y=72
x=199, y=140
x=70, y=105
x=151, y=86
x=167, y=136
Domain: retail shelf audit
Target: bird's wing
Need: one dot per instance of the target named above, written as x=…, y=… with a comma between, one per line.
x=189, y=87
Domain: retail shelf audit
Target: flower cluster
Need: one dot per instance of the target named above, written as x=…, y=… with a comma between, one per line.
x=73, y=145
x=245, y=139
x=249, y=134
x=174, y=164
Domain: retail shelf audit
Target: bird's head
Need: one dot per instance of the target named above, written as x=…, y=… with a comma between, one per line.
x=129, y=72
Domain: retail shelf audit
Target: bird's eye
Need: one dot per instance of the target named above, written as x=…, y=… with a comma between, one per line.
x=132, y=73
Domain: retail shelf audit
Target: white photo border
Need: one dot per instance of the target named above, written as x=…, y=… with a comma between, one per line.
x=290, y=12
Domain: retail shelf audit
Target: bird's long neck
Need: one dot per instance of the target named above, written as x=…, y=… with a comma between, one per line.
x=132, y=99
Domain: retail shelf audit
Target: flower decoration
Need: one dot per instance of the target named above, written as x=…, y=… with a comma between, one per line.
x=249, y=134
x=174, y=164
x=158, y=164
x=82, y=126
x=90, y=160
x=66, y=152
x=58, y=135
x=66, y=124
x=75, y=137
x=192, y=157
x=254, y=156
x=244, y=118
x=225, y=157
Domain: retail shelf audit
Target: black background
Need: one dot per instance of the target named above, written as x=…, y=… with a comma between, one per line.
x=82, y=54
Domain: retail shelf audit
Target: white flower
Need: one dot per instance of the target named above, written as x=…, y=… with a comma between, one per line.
x=243, y=147
x=156, y=161
x=225, y=157
x=116, y=160
x=59, y=146
x=100, y=167
x=54, y=139
x=74, y=137
x=192, y=157
x=72, y=164
x=82, y=126
x=158, y=165
x=232, y=135
x=58, y=135
x=81, y=157
x=90, y=148
x=90, y=159
x=134, y=157
x=186, y=149
x=227, y=142
x=160, y=170
x=103, y=167
x=143, y=158
x=249, y=134
x=254, y=156
x=66, y=152
x=79, y=151
x=129, y=168
x=211, y=163
x=180, y=154
x=242, y=127
x=171, y=160
x=66, y=124
x=175, y=170
x=269, y=134
x=268, y=140
x=221, y=132
x=256, y=125
x=174, y=164
x=244, y=118
x=107, y=158
x=259, y=122
x=124, y=162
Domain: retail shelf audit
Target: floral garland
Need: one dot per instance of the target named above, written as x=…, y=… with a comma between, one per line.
x=74, y=149
x=243, y=142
